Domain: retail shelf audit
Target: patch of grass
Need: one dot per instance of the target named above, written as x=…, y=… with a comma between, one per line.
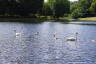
x=88, y=19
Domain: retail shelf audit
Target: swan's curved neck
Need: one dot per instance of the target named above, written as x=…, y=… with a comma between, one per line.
x=15, y=31
x=76, y=36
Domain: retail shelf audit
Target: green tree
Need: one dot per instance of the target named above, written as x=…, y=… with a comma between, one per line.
x=76, y=10
x=81, y=8
x=20, y=7
x=31, y=6
x=61, y=7
x=46, y=11
x=92, y=9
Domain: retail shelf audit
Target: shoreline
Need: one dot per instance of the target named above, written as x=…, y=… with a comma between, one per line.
x=45, y=20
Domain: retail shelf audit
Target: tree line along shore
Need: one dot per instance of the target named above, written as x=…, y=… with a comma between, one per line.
x=48, y=10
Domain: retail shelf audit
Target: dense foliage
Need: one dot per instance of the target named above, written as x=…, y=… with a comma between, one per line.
x=31, y=8
x=61, y=7
x=20, y=7
x=52, y=8
x=92, y=8
x=57, y=8
x=83, y=8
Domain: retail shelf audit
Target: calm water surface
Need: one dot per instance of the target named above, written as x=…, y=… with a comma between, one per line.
x=36, y=43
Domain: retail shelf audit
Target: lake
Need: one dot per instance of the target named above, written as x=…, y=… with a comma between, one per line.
x=45, y=43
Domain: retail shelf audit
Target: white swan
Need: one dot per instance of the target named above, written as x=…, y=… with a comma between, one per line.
x=54, y=35
x=94, y=41
x=73, y=38
x=17, y=33
x=37, y=33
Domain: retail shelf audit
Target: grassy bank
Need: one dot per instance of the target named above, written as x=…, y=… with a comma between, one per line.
x=88, y=19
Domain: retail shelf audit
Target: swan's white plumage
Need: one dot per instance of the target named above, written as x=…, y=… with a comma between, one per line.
x=94, y=41
x=54, y=35
x=37, y=33
x=17, y=33
x=72, y=38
